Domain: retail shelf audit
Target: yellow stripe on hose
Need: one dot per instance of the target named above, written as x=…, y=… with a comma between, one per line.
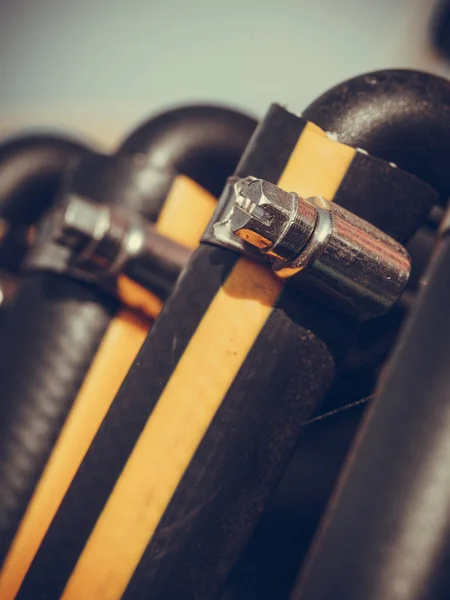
x=141, y=494
x=91, y=405
x=183, y=219
x=317, y=166
x=190, y=208
x=193, y=394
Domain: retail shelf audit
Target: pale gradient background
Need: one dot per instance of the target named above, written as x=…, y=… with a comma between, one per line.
x=98, y=67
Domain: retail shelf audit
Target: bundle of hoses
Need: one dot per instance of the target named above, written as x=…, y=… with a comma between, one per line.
x=66, y=345
x=193, y=444
x=384, y=534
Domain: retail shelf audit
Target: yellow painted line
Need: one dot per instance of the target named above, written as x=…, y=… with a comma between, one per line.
x=193, y=394
x=183, y=219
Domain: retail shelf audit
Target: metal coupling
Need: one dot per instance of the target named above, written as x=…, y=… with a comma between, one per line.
x=321, y=248
x=113, y=248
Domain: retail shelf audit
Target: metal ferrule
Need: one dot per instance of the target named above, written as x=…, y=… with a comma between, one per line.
x=109, y=247
x=317, y=246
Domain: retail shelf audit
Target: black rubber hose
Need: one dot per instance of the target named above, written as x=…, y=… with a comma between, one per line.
x=31, y=169
x=47, y=342
x=387, y=535
x=285, y=531
x=203, y=142
x=399, y=115
x=240, y=454
x=51, y=335
x=384, y=536
x=59, y=323
x=268, y=568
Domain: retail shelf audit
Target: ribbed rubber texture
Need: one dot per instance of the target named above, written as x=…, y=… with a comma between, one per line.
x=51, y=336
x=61, y=322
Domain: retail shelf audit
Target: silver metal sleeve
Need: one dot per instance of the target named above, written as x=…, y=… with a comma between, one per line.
x=359, y=268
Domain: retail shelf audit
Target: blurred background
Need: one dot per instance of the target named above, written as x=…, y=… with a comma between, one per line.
x=99, y=66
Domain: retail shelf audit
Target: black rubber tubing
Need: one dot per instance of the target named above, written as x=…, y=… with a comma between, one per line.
x=31, y=171
x=401, y=116
x=56, y=324
x=383, y=537
x=241, y=456
x=203, y=142
x=386, y=535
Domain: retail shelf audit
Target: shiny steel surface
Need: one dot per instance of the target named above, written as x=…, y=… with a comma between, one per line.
x=321, y=248
x=99, y=244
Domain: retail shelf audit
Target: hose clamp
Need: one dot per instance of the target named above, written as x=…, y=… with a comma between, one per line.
x=315, y=245
x=115, y=249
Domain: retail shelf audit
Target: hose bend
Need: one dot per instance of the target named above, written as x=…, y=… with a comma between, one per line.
x=399, y=115
x=203, y=142
x=31, y=169
x=57, y=324
x=385, y=533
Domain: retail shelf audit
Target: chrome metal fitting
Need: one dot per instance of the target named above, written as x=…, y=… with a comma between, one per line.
x=272, y=220
x=110, y=247
x=315, y=245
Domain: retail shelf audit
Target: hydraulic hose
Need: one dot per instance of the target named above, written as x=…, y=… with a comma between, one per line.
x=92, y=358
x=385, y=534
x=399, y=115
x=210, y=411
x=55, y=326
x=203, y=142
x=31, y=170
